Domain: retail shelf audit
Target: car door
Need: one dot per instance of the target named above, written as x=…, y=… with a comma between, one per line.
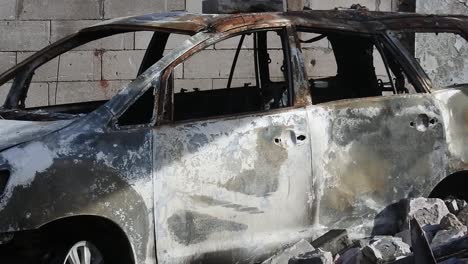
x=230, y=188
x=371, y=152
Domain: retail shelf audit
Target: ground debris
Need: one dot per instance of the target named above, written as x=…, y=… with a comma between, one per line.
x=385, y=249
x=285, y=255
x=317, y=256
x=417, y=230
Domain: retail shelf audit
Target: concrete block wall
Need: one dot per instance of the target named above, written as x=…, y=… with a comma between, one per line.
x=444, y=56
x=93, y=71
x=97, y=70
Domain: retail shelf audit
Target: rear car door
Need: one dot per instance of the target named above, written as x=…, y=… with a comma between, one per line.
x=377, y=134
x=232, y=171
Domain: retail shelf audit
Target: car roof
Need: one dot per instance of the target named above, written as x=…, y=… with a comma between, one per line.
x=347, y=19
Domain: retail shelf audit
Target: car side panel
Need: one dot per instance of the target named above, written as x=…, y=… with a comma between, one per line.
x=369, y=153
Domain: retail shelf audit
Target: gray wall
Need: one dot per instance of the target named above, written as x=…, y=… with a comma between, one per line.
x=443, y=56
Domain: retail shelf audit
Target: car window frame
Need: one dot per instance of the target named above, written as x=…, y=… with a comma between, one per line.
x=396, y=49
x=166, y=110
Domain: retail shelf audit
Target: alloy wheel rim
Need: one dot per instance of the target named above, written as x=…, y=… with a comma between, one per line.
x=83, y=252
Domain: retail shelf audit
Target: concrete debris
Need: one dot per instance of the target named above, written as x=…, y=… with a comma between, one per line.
x=385, y=249
x=446, y=236
x=334, y=241
x=463, y=216
x=450, y=222
x=405, y=236
x=284, y=256
x=427, y=211
x=429, y=232
x=317, y=256
x=455, y=205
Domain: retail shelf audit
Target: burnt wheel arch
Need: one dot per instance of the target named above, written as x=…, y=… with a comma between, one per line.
x=453, y=185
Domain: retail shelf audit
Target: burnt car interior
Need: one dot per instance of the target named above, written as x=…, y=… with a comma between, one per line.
x=356, y=73
x=262, y=94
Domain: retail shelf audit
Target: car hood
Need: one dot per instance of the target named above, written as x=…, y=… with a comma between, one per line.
x=14, y=132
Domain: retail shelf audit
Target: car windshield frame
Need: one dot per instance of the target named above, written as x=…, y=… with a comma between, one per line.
x=21, y=74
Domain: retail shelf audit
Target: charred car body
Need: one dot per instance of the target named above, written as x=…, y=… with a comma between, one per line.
x=230, y=174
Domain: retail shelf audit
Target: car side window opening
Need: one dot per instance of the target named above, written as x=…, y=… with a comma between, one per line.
x=346, y=66
x=245, y=73
x=80, y=80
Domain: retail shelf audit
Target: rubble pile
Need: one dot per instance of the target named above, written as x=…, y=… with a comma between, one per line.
x=417, y=230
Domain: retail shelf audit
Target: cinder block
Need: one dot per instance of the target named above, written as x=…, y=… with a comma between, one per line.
x=379, y=65
x=80, y=66
x=176, y=5
x=60, y=9
x=7, y=60
x=217, y=64
x=118, y=8
x=233, y=42
x=277, y=60
x=441, y=7
x=143, y=38
x=222, y=83
x=38, y=95
x=194, y=6
x=46, y=72
x=7, y=9
x=24, y=35
x=4, y=89
x=121, y=65
x=74, y=66
x=74, y=92
x=320, y=62
x=385, y=5
x=191, y=84
x=64, y=28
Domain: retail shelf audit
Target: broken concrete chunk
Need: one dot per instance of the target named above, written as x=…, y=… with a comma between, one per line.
x=452, y=205
x=427, y=211
x=463, y=216
x=450, y=221
x=283, y=256
x=446, y=236
x=317, y=256
x=334, y=241
x=405, y=236
x=385, y=249
x=455, y=205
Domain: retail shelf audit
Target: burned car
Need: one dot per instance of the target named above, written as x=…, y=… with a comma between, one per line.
x=167, y=171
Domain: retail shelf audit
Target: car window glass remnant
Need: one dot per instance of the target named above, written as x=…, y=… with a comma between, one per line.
x=444, y=58
x=347, y=66
x=245, y=73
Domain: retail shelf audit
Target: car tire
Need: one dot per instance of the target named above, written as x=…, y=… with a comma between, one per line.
x=79, y=252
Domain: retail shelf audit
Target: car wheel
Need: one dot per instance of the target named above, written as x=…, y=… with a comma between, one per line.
x=82, y=252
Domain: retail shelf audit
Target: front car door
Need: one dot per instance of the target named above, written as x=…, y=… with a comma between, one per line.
x=232, y=171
